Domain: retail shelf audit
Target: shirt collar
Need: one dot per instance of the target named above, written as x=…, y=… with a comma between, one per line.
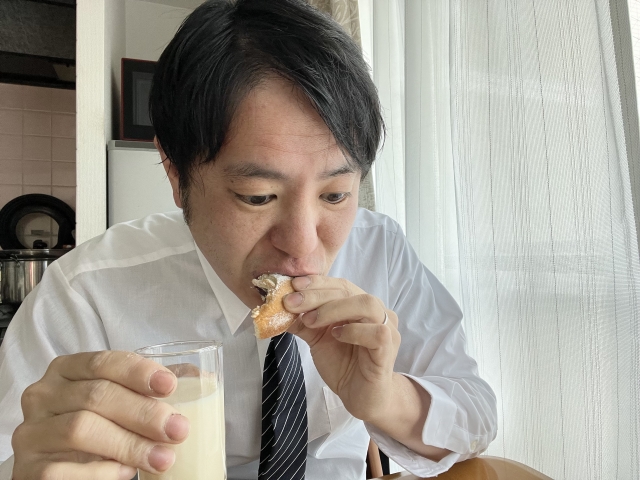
x=233, y=309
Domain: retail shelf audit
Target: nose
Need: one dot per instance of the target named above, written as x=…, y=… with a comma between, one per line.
x=296, y=232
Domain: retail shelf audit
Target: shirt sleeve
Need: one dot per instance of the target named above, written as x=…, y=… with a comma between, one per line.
x=463, y=412
x=53, y=320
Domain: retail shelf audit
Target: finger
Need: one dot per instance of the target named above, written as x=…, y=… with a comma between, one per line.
x=185, y=370
x=300, y=302
x=360, y=308
x=314, y=282
x=144, y=415
x=105, y=469
x=137, y=373
x=90, y=433
x=310, y=335
x=370, y=336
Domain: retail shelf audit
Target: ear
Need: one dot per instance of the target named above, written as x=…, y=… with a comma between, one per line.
x=172, y=173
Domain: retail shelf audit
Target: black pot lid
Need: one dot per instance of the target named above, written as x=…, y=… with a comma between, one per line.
x=38, y=203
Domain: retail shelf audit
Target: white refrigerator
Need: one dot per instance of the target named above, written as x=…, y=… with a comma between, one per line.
x=137, y=184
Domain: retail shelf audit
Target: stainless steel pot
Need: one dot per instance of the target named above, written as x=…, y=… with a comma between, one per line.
x=22, y=270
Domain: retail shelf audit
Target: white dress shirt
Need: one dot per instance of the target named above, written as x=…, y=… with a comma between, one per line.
x=145, y=282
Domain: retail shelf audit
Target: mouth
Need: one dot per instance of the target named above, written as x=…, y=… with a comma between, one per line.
x=283, y=271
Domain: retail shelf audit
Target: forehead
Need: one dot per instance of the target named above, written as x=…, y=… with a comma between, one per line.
x=275, y=120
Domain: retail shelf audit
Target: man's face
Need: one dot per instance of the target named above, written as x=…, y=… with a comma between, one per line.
x=280, y=196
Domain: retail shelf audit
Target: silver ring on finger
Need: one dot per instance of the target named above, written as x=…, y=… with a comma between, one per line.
x=386, y=318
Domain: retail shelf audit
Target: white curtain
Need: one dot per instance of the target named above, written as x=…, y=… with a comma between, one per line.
x=634, y=13
x=345, y=12
x=512, y=163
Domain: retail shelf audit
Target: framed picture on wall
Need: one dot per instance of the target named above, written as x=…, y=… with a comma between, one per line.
x=136, y=77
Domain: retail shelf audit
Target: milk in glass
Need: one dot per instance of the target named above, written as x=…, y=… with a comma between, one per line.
x=201, y=456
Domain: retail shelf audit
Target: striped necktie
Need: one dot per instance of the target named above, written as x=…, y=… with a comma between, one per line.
x=283, y=453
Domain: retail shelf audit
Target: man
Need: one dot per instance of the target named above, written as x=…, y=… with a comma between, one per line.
x=266, y=121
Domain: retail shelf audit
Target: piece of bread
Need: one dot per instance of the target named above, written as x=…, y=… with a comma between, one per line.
x=271, y=318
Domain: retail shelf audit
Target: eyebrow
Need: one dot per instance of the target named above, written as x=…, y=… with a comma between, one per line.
x=343, y=170
x=252, y=170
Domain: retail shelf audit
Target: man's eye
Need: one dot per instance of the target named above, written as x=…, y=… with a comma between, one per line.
x=256, y=200
x=335, y=197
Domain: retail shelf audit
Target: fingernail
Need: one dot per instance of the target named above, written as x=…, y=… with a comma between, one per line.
x=177, y=427
x=336, y=331
x=300, y=283
x=161, y=458
x=310, y=318
x=126, y=473
x=162, y=382
x=293, y=299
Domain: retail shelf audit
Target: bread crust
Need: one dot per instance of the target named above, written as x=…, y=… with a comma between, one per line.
x=271, y=318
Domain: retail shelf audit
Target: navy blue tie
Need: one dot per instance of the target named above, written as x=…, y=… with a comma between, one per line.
x=283, y=453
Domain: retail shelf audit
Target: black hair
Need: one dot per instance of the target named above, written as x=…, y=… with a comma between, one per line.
x=225, y=48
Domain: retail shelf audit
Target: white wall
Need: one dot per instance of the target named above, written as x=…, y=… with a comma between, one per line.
x=100, y=45
x=150, y=26
x=108, y=30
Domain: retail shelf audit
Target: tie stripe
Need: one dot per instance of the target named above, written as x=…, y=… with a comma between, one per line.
x=283, y=451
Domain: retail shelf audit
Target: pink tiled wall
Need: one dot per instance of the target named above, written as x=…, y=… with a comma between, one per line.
x=37, y=142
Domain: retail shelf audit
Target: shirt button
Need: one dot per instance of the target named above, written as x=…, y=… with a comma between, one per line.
x=474, y=445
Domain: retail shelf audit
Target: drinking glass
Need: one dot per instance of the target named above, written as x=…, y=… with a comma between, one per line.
x=199, y=396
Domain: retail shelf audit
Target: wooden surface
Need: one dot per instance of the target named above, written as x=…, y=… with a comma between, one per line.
x=482, y=468
x=374, y=465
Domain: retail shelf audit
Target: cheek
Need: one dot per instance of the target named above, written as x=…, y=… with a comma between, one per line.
x=227, y=233
x=335, y=230
x=236, y=231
